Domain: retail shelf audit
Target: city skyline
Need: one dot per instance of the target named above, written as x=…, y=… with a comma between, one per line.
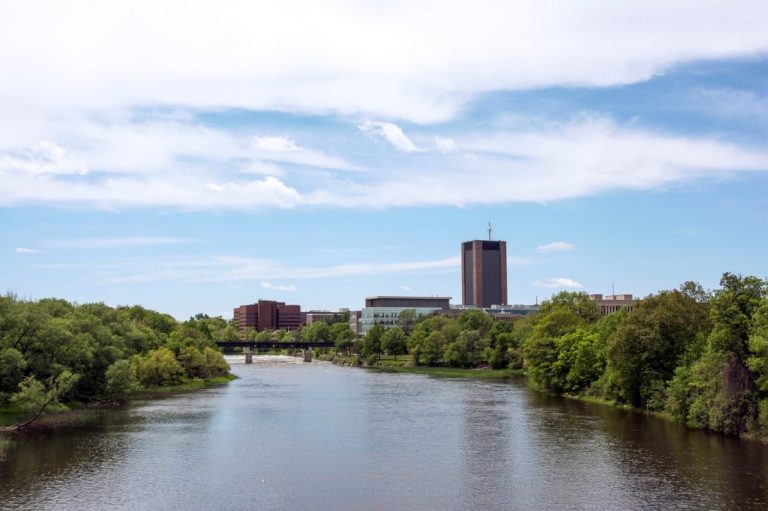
x=321, y=155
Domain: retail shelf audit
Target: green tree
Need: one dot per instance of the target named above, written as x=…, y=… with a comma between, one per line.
x=645, y=349
x=476, y=319
x=372, y=342
x=193, y=362
x=12, y=366
x=724, y=397
x=121, y=379
x=406, y=319
x=319, y=331
x=456, y=354
x=215, y=363
x=158, y=367
x=33, y=397
x=393, y=341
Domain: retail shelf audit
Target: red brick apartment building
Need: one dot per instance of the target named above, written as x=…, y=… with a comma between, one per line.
x=268, y=315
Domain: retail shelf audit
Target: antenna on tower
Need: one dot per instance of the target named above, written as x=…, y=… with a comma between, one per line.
x=613, y=289
x=490, y=229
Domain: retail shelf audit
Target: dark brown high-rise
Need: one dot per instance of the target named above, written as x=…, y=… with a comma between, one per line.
x=484, y=273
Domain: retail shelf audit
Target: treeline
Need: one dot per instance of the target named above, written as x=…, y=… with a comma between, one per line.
x=53, y=350
x=699, y=356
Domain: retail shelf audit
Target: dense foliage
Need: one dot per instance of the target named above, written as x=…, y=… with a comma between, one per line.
x=699, y=357
x=52, y=350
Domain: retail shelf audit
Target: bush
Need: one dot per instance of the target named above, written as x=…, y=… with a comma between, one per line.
x=158, y=367
x=121, y=379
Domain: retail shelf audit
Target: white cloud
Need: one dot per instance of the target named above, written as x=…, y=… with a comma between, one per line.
x=41, y=159
x=445, y=145
x=278, y=287
x=278, y=148
x=558, y=282
x=25, y=250
x=555, y=246
x=582, y=157
x=134, y=241
x=234, y=268
x=397, y=59
x=404, y=287
x=390, y=132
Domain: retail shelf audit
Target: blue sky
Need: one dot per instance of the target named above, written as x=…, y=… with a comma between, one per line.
x=194, y=158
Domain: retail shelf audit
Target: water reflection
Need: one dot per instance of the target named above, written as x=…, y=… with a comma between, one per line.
x=289, y=435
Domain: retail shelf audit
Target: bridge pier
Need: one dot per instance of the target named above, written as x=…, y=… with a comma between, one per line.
x=248, y=355
x=307, y=354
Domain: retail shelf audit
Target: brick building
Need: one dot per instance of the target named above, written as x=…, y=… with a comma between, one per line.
x=268, y=315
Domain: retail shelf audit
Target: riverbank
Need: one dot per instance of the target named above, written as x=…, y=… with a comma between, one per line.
x=402, y=365
x=80, y=414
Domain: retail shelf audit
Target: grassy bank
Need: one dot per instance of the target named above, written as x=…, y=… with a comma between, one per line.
x=80, y=414
x=401, y=364
x=452, y=372
x=184, y=386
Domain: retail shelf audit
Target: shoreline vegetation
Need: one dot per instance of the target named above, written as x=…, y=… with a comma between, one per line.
x=58, y=358
x=693, y=356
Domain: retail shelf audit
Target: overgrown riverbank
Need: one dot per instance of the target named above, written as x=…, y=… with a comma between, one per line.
x=75, y=414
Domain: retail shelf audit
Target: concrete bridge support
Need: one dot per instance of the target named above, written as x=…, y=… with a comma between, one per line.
x=248, y=355
x=307, y=354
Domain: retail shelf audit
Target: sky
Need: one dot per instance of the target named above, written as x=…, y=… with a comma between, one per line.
x=194, y=156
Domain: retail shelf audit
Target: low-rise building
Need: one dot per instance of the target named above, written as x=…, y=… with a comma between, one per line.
x=385, y=310
x=609, y=304
x=310, y=317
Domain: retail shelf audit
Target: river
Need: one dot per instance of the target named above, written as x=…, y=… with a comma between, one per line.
x=293, y=436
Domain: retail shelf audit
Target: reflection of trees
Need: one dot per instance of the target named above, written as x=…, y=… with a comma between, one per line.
x=668, y=460
x=43, y=457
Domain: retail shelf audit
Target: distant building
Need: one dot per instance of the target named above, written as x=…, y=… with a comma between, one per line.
x=385, y=310
x=497, y=312
x=609, y=304
x=310, y=317
x=268, y=315
x=484, y=273
x=354, y=322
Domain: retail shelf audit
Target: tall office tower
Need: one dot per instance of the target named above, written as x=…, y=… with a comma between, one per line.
x=484, y=272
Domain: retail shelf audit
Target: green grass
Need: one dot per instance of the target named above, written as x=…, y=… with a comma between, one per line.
x=184, y=386
x=451, y=372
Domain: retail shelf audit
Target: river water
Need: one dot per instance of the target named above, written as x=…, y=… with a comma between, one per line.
x=295, y=436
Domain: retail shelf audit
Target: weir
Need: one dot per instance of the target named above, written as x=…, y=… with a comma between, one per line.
x=250, y=346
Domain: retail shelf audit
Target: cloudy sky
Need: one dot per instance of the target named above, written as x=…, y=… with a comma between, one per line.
x=193, y=156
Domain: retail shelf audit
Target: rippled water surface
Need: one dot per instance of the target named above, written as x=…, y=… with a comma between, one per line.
x=289, y=435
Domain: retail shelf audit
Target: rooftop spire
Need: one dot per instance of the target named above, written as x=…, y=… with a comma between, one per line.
x=490, y=230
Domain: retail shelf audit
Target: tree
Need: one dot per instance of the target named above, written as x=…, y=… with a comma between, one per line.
x=214, y=363
x=342, y=336
x=158, y=367
x=319, y=331
x=645, y=349
x=406, y=320
x=540, y=348
x=12, y=366
x=476, y=319
x=456, y=354
x=372, y=342
x=724, y=397
x=393, y=341
x=33, y=397
x=121, y=379
x=193, y=362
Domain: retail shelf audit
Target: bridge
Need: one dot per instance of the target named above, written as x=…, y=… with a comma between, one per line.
x=250, y=346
